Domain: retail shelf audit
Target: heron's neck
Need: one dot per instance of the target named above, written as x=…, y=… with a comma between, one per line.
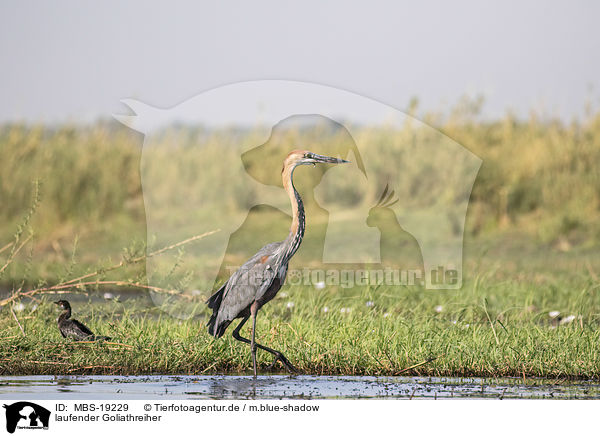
x=298, y=221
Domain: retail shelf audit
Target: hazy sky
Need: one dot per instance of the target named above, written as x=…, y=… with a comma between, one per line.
x=74, y=60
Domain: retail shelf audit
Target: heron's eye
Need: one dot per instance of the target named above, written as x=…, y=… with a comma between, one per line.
x=308, y=155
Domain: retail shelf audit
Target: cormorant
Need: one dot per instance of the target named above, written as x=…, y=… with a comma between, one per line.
x=71, y=328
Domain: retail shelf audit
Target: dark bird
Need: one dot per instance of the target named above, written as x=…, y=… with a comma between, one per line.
x=73, y=329
x=258, y=280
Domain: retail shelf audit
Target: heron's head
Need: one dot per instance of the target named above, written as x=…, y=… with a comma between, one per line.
x=305, y=157
x=63, y=304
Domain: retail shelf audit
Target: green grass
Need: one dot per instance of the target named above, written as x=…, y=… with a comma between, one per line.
x=493, y=327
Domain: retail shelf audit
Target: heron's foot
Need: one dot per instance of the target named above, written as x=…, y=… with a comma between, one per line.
x=288, y=365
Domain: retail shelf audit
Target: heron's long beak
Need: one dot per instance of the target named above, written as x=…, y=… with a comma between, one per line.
x=56, y=302
x=327, y=159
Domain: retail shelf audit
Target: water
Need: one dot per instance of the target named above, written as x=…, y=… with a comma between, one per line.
x=287, y=387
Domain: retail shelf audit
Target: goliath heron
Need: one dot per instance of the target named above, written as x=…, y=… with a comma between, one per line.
x=71, y=328
x=258, y=280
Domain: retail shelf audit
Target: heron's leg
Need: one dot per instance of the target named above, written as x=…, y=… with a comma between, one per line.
x=253, y=344
x=278, y=355
x=253, y=310
x=236, y=335
x=236, y=332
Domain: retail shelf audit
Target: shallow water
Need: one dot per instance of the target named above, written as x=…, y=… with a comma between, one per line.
x=287, y=387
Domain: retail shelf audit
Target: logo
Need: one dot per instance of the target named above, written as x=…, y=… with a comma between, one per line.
x=26, y=415
x=394, y=216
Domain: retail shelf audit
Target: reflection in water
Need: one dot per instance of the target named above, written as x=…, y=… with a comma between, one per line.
x=289, y=387
x=64, y=383
x=236, y=387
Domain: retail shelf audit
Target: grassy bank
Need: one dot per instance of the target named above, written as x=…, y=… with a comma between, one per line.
x=494, y=326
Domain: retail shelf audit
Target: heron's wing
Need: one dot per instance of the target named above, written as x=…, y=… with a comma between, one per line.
x=249, y=282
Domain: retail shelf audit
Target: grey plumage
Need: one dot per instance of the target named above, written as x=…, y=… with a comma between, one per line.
x=248, y=284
